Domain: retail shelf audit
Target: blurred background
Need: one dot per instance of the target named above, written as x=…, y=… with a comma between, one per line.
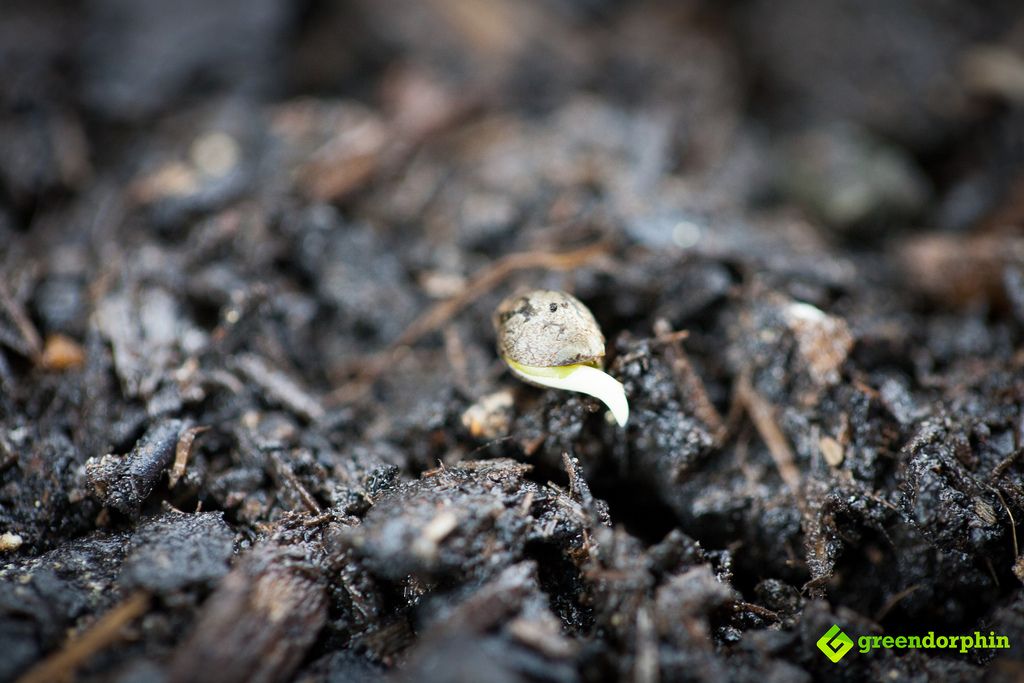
x=870, y=117
x=287, y=221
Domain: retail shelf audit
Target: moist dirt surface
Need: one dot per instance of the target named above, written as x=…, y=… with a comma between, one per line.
x=253, y=425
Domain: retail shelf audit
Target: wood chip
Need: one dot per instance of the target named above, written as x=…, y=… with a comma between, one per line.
x=831, y=450
x=182, y=452
x=61, y=353
x=62, y=664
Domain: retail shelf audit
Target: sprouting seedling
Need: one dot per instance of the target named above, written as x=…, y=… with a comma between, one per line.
x=551, y=339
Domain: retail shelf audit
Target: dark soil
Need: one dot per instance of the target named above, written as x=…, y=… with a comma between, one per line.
x=252, y=423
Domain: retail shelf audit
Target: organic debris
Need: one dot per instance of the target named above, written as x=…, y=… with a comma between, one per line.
x=253, y=426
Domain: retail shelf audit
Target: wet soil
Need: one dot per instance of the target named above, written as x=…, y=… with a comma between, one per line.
x=253, y=426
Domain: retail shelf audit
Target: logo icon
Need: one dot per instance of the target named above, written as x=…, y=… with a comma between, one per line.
x=835, y=644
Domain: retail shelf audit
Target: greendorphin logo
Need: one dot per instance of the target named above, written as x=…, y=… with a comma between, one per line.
x=835, y=644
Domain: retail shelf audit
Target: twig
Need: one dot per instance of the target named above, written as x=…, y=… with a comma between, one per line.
x=182, y=452
x=61, y=665
x=762, y=414
x=440, y=313
x=26, y=328
x=992, y=571
x=763, y=612
x=574, y=487
x=690, y=383
x=484, y=281
x=1005, y=463
x=893, y=601
x=668, y=335
x=645, y=666
x=283, y=470
x=280, y=387
x=456, y=353
x=485, y=446
x=1013, y=523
